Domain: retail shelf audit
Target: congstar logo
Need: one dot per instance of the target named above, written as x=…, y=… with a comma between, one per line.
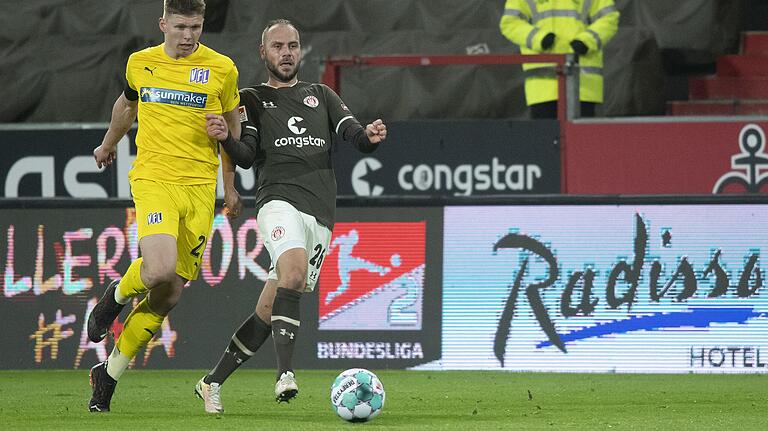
x=461, y=180
x=362, y=168
x=294, y=125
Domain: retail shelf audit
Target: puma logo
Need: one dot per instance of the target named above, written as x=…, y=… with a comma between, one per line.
x=151, y=71
x=150, y=332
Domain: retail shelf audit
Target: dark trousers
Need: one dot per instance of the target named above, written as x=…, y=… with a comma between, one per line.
x=549, y=110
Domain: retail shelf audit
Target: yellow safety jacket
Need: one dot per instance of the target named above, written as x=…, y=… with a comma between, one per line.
x=594, y=22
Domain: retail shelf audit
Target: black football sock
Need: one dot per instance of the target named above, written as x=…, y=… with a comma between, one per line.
x=244, y=344
x=285, y=327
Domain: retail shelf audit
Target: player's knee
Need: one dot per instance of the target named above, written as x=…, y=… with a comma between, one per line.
x=163, y=299
x=154, y=274
x=264, y=311
x=295, y=280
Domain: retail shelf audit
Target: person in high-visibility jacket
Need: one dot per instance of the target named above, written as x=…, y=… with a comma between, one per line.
x=582, y=27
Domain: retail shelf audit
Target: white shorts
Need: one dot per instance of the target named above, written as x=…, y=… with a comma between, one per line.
x=284, y=227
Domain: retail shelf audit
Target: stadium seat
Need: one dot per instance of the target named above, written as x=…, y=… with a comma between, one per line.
x=739, y=86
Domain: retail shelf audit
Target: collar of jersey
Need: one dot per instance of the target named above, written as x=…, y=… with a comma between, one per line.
x=277, y=88
x=194, y=55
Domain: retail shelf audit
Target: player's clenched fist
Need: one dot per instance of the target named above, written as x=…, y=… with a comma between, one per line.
x=376, y=131
x=104, y=156
x=216, y=126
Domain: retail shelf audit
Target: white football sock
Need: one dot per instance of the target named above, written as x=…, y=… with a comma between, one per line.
x=117, y=364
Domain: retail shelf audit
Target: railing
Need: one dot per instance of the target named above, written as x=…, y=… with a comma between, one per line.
x=565, y=67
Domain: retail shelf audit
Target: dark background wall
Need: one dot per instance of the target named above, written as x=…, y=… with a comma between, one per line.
x=63, y=61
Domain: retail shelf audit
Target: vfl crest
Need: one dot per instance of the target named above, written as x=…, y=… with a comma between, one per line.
x=155, y=218
x=199, y=75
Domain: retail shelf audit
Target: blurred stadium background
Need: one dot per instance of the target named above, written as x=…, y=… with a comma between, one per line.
x=627, y=243
x=63, y=60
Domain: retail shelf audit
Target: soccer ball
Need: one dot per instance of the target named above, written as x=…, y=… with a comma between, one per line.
x=357, y=395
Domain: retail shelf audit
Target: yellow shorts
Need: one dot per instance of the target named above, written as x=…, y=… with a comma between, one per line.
x=184, y=212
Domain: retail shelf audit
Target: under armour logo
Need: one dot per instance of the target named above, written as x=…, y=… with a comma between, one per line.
x=284, y=332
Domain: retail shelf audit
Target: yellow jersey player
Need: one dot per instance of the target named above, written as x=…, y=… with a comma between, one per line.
x=171, y=87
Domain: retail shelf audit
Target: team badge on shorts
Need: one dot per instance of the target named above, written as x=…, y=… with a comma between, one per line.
x=277, y=233
x=311, y=101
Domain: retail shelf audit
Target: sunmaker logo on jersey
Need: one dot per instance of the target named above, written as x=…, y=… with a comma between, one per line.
x=295, y=125
x=173, y=97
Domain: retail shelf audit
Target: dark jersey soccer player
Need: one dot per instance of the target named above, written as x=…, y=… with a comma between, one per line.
x=287, y=130
x=173, y=180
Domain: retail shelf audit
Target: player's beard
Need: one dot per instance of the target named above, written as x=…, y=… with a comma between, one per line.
x=280, y=76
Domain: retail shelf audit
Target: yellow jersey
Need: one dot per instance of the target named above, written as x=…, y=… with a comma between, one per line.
x=174, y=97
x=593, y=22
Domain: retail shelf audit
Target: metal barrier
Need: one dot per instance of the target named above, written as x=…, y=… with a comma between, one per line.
x=566, y=67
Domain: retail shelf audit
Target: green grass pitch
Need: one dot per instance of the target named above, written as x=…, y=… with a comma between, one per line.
x=164, y=400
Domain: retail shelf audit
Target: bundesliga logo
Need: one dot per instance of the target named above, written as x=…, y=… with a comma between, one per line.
x=372, y=279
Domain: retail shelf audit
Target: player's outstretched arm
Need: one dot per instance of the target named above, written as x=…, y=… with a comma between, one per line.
x=242, y=151
x=366, y=139
x=123, y=115
x=233, y=205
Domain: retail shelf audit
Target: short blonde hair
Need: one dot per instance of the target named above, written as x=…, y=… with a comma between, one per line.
x=184, y=7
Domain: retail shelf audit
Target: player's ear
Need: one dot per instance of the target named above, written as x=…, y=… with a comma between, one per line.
x=162, y=24
x=262, y=52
